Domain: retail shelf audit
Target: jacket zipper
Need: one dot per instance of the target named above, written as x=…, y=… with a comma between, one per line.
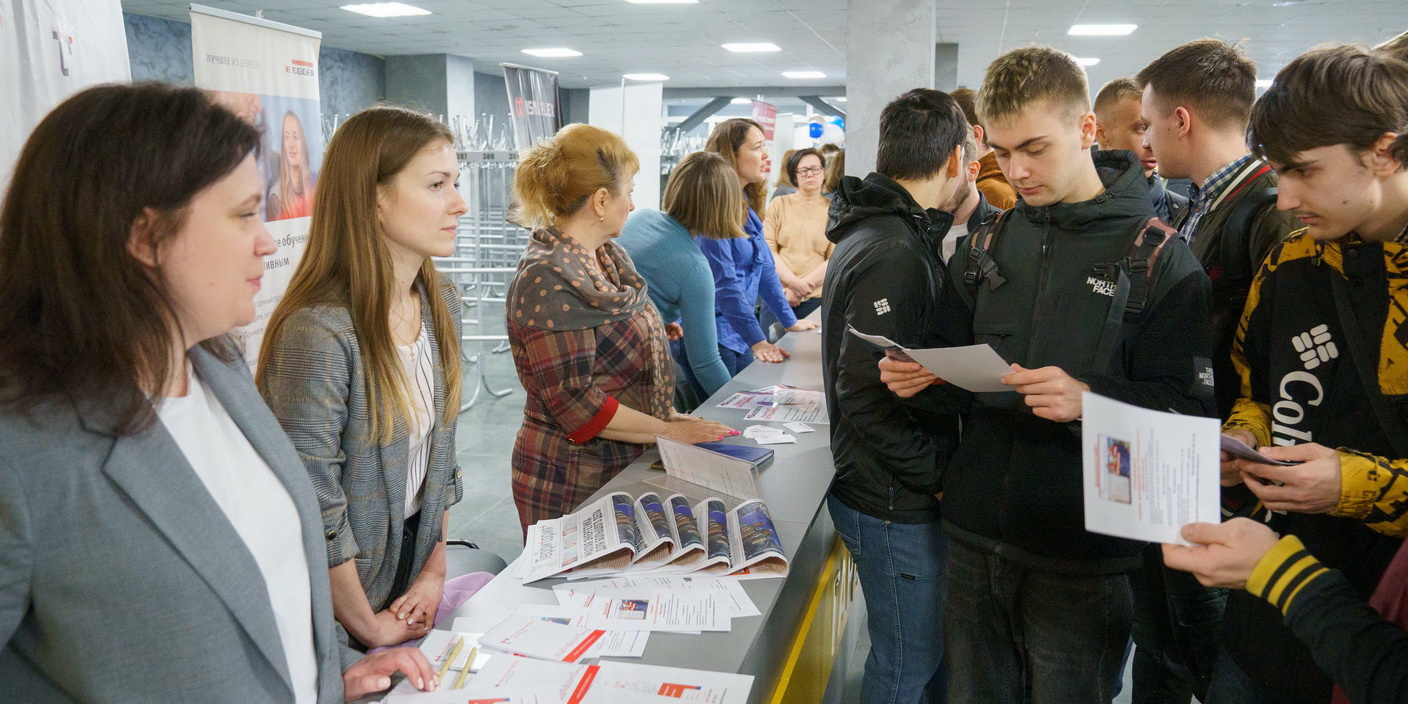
x=1036, y=315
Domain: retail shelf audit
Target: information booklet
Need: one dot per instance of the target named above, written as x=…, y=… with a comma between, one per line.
x=510, y=679
x=620, y=535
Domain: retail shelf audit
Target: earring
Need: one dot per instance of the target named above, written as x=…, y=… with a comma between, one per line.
x=601, y=219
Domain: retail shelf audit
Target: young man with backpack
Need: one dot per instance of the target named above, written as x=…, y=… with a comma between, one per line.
x=1196, y=101
x=1082, y=289
x=1324, y=368
x=883, y=279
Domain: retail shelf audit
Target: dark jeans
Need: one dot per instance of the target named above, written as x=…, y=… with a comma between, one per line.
x=901, y=569
x=1010, y=629
x=689, y=393
x=1230, y=685
x=801, y=310
x=1176, y=624
x=735, y=361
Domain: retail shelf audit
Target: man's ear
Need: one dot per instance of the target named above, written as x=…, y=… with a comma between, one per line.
x=1087, y=129
x=1184, y=121
x=141, y=238
x=1100, y=134
x=955, y=162
x=1382, y=159
x=980, y=134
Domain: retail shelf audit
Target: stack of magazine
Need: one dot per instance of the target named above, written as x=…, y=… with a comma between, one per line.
x=619, y=534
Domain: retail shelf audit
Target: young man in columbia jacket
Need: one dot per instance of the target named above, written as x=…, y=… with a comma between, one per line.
x=883, y=279
x=1036, y=605
x=1333, y=126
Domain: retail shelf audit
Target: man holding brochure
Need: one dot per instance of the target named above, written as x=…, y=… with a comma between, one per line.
x=1082, y=291
x=883, y=279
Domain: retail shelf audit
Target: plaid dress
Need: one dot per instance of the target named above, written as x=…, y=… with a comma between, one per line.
x=584, y=343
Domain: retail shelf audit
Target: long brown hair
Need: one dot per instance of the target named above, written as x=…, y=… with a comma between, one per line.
x=81, y=320
x=703, y=195
x=557, y=176
x=290, y=190
x=347, y=262
x=726, y=140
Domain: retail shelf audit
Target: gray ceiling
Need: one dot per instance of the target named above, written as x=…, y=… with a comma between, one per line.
x=683, y=41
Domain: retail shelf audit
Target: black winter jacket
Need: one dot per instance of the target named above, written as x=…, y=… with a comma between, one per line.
x=1014, y=483
x=883, y=278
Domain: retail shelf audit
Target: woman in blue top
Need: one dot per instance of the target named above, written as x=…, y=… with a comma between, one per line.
x=743, y=267
x=702, y=199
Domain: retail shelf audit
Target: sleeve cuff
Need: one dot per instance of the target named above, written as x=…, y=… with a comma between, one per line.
x=1283, y=572
x=593, y=427
x=342, y=545
x=1357, y=491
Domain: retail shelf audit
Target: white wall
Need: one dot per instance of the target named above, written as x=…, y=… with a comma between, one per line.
x=634, y=111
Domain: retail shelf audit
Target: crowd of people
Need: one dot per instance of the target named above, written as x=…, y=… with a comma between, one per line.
x=174, y=527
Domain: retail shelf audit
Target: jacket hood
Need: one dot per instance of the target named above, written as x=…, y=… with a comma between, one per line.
x=858, y=199
x=1126, y=195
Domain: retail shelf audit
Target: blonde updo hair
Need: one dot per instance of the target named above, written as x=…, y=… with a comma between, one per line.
x=556, y=177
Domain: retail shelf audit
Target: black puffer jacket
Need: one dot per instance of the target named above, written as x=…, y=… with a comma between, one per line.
x=1014, y=483
x=883, y=278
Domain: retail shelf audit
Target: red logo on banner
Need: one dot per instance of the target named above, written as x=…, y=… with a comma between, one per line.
x=299, y=67
x=765, y=114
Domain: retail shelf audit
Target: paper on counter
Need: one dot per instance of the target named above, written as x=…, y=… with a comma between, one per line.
x=744, y=401
x=774, y=439
x=660, y=610
x=1147, y=473
x=583, y=594
x=534, y=638
x=620, y=678
x=1237, y=448
x=800, y=427
x=708, y=469
x=788, y=414
x=510, y=680
x=757, y=431
x=613, y=644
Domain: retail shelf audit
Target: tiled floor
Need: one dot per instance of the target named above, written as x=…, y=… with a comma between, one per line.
x=485, y=441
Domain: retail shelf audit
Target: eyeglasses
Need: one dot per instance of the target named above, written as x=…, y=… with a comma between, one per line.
x=811, y=171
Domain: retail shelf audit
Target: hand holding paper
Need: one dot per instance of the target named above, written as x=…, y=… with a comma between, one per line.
x=1311, y=484
x=1050, y=392
x=1221, y=555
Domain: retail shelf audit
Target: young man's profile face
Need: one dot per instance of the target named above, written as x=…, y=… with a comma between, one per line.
x=1041, y=149
x=1331, y=190
x=1162, y=136
x=1123, y=128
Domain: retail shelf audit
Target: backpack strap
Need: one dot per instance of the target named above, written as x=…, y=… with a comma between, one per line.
x=1234, y=248
x=979, y=266
x=1135, y=277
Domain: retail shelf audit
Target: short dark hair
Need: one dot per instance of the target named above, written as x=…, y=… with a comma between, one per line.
x=1112, y=93
x=1216, y=79
x=1338, y=94
x=81, y=319
x=794, y=161
x=967, y=100
x=918, y=132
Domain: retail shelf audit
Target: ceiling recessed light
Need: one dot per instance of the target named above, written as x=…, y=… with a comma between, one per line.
x=552, y=53
x=1101, y=30
x=741, y=101
x=803, y=74
x=645, y=77
x=386, y=9
x=1086, y=60
x=756, y=48
x=839, y=99
x=1263, y=83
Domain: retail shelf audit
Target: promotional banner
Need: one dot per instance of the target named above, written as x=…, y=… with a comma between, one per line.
x=268, y=74
x=765, y=114
x=533, y=103
x=49, y=50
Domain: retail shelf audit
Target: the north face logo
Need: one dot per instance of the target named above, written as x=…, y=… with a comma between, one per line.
x=882, y=306
x=1315, y=347
x=1101, y=286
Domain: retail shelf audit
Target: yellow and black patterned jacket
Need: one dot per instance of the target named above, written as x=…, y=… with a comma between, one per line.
x=1299, y=385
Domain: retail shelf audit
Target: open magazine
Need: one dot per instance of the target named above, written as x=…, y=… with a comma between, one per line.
x=617, y=534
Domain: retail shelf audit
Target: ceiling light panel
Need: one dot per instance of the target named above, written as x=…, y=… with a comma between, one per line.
x=645, y=77
x=803, y=74
x=1101, y=30
x=754, y=48
x=553, y=53
x=386, y=9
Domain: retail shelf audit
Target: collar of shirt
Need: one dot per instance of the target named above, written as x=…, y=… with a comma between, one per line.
x=1203, y=197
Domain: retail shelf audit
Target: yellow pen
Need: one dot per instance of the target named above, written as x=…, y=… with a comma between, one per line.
x=468, y=663
x=455, y=651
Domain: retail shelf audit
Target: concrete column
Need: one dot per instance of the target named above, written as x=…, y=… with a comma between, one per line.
x=946, y=67
x=892, y=50
x=440, y=84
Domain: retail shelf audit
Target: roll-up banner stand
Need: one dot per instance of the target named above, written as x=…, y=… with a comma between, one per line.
x=49, y=50
x=267, y=73
x=534, y=104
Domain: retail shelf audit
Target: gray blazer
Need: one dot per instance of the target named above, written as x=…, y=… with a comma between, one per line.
x=315, y=382
x=121, y=580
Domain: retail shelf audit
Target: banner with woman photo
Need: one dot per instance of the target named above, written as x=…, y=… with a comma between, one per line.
x=267, y=73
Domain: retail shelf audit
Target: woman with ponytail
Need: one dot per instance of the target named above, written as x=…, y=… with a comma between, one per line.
x=361, y=365
x=589, y=346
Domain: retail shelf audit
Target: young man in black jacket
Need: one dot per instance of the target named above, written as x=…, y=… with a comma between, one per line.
x=883, y=279
x=1036, y=605
x=1324, y=368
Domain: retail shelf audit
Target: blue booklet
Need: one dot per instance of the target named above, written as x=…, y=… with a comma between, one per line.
x=754, y=455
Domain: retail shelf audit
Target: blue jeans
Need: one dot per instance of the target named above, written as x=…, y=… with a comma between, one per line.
x=1010, y=630
x=1230, y=685
x=735, y=361
x=689, y=393
x=1176, y=624
x=901, y=569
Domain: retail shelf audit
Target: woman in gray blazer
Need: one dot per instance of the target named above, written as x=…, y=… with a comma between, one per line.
x=148, y=499
x=361, y=365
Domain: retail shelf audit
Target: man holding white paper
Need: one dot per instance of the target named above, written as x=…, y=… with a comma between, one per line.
x=884, y=279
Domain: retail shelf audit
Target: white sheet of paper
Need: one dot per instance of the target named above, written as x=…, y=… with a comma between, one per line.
x=800, y=428
x=1237, y=448
x=583, y=594
x=744, y=401
x=758, y=431
x=535, y=638
x=1147, y=473
x=877, y=340
x=789, y=414
x=613, y=644
x=774, y=439
x=976, y=368
x=661, y=610
x=616, y=678
x=708, y=469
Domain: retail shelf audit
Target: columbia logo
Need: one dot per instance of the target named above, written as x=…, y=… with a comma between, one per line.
x=1315, y=347
x=882, y=306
